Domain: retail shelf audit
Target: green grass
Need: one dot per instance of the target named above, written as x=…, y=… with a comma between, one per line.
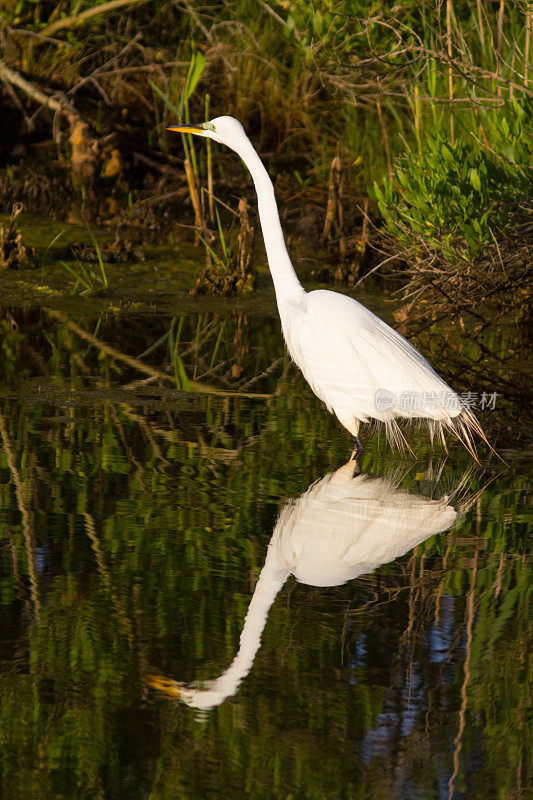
x=87, y=279
x=383, y=81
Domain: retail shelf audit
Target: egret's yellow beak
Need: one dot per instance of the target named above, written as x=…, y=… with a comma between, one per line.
x=162, y=684
x=188, y=128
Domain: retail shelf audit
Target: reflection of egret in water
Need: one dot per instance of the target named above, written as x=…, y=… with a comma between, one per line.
x=342, y=527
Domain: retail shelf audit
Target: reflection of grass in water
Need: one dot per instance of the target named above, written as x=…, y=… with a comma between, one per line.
x=225, y=355
x=151, y=525
x=154, y=567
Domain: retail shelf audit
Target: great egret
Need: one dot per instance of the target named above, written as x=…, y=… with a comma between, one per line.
x=357, y=364
x=340, y=528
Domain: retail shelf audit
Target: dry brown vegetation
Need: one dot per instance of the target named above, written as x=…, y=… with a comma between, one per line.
x=332, y=97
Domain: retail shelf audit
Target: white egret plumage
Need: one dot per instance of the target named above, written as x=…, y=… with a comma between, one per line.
x=359, y=366
x=341, y=528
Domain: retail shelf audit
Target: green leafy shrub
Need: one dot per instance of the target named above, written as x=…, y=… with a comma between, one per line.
x=453, y=200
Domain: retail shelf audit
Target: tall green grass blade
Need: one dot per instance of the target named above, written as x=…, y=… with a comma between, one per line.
x=99, y=257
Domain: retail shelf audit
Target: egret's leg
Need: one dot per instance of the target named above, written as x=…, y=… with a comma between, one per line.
x=353, y=426
x=357, y=448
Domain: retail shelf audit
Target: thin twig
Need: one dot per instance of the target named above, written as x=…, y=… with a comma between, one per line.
x=85, y=16
x=54, y=103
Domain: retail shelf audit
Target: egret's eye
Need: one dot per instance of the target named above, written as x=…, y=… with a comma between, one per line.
x=209, y=126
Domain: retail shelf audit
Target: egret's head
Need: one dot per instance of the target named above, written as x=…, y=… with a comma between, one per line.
x=226, y=130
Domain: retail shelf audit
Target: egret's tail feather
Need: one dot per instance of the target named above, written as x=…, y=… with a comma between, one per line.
x=395, y=435
x=463, y=426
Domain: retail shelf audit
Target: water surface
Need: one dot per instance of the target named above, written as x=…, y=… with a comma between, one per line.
x=147, y=463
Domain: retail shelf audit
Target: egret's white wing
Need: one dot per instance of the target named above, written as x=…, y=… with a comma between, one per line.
x=347, y=355
x=345, y=526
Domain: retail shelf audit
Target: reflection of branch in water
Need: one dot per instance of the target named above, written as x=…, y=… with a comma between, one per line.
x=458, y=741
x=499, y=576
x=141, y=366
x=125, y=443
x=413, y=602
x=151, y=430
x=440, y=589
x=27, y=528
x=342, y=527
x=90, y=530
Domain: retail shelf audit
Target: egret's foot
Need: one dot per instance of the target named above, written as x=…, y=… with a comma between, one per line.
x=358, y=448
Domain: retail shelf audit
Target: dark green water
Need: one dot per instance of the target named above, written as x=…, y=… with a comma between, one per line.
x=136, y=517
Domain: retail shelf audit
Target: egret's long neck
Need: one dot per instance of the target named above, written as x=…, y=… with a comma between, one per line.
x=267, y=587
x=271, y=579
x=286, y=282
